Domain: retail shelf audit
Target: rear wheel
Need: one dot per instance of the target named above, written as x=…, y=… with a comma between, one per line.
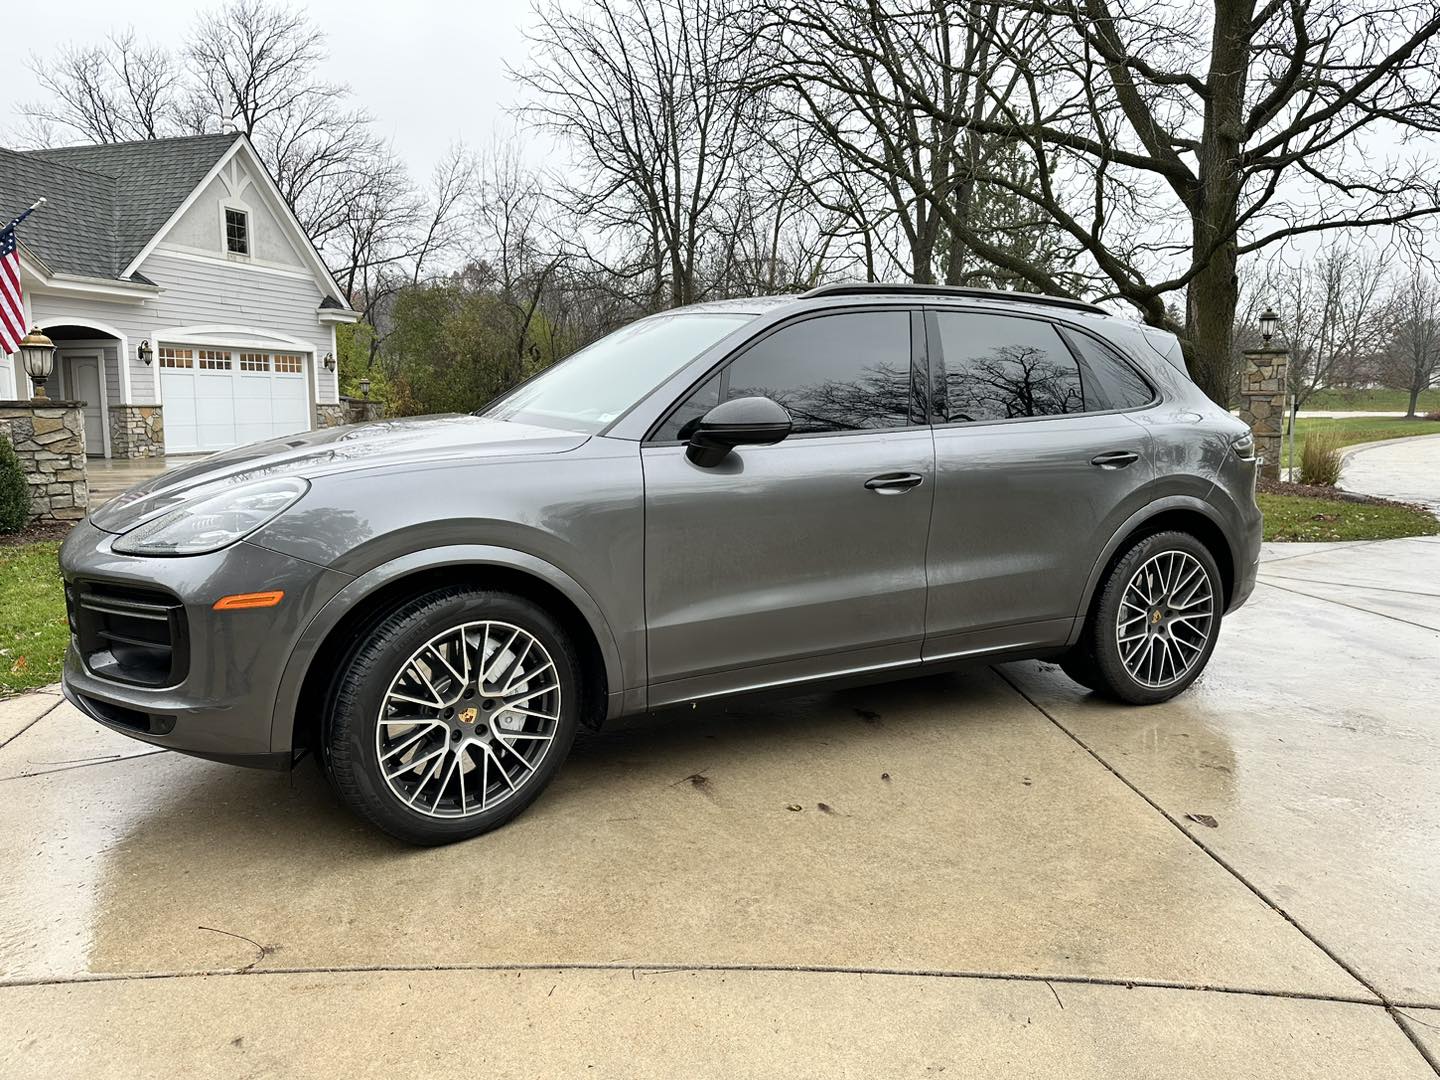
x=454, y=715
x=1154, y=625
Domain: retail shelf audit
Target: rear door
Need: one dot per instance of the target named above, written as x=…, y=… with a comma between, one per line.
x=1036, y=460
x=805, y=558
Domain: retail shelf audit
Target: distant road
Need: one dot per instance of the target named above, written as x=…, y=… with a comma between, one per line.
x=1403, y=469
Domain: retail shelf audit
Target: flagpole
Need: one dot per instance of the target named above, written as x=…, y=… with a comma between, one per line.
x=36, y=205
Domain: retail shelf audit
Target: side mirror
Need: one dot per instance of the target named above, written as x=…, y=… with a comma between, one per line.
x=746, y=421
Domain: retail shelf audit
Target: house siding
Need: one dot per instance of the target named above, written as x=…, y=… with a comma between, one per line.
x=233, y=294
x=199, y=293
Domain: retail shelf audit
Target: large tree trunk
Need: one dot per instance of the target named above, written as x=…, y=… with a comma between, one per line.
x=1214, y=292
x=1210, y=321
x=1414, y=403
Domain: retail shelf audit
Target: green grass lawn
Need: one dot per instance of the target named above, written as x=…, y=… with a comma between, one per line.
x=1296, y=517
x=1358, y=430
x=33, y=633
x=1371, y=401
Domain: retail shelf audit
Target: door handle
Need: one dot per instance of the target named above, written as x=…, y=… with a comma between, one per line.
x=1115, y=459
x=894, y=483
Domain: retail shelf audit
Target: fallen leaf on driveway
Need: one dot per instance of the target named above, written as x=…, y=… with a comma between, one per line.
x=1203, y=819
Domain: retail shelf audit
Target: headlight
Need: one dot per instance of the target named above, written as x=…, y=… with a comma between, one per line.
x=1244, y=447
x=212, y=521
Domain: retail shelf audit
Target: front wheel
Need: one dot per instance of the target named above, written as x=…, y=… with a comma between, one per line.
x=453, y=715
x=1155, y=622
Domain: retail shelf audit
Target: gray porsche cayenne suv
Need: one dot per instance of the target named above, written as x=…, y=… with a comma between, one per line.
x=860, y=482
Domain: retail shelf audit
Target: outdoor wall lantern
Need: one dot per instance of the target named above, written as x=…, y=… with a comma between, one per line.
x=329, y=361
x=37, y=354
x=1268, y=322
x=144, y=351
x=365, y=388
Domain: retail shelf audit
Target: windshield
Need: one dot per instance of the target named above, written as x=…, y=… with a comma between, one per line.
x=589, y=389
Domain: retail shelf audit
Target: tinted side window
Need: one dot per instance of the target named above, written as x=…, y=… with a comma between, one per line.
x=844, y=372
x=999, y=368
x=1110, y=383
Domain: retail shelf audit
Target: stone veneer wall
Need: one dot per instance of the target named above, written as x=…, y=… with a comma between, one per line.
x=49, y=439
x=330, y=416
x=349, y=411
x=137, y=431
x=1262, y=404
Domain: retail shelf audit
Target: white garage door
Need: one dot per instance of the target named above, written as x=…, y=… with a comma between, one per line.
x=218, y=398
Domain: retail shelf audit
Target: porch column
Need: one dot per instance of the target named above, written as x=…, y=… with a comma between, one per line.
x=49, y=440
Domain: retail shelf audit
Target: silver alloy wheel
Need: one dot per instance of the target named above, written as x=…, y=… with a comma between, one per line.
x=468, y=719
x=1166, y=614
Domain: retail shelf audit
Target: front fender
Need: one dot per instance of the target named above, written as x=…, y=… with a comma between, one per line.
x=311, y=640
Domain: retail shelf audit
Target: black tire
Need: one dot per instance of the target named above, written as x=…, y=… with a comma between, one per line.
x=1100, y=641
x=353, y=756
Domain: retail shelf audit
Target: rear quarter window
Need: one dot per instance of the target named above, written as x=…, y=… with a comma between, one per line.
x=1110, y=383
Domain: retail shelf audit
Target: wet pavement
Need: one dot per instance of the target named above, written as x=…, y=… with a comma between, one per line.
x=990, y=872
x=1407, y=470
x=108, y=477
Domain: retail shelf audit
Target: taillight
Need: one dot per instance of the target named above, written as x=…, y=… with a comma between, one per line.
x=1244, y=447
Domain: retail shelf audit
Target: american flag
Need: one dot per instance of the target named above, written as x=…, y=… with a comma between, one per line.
x=12, y=312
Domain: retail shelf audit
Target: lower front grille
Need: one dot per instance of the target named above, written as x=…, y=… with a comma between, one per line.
x=129, y=634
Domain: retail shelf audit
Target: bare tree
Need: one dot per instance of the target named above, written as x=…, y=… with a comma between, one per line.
x=1332, y=320
x=652, y=97
x=1166, y=140
x=391, y=236
x=913, y=178
x=1413, y=358
x=117, y=91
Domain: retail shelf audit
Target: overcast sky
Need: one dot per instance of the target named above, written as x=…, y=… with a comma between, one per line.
x=430, y=72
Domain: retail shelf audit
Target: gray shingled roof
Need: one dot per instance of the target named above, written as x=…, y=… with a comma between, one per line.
x=104, y=203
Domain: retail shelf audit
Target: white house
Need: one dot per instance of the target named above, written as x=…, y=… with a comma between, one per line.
x=188, y=307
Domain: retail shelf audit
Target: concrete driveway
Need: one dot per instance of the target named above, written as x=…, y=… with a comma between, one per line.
x=988, y=874
x=1404, y=469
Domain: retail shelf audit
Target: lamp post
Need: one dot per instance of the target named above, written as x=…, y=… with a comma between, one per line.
x=365, y=388
x=37, y=356
x=1268, y=322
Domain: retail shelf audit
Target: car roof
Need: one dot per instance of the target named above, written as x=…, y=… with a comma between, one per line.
x=847, y=294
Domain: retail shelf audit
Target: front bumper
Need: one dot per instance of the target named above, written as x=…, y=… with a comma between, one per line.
x=222, y=704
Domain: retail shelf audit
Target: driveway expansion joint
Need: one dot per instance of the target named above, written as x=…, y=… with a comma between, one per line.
x=655, y=969
x=1391, y=1007
x=1340, y=603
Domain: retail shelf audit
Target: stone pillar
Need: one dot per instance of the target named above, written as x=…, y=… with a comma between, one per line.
x=1262, y=404
x=137, y=431
x=49, y=440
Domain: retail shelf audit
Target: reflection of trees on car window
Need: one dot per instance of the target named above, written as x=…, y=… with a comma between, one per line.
x=878, y=396
x=1014, y=380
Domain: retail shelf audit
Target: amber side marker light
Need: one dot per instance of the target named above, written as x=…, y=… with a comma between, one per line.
x=245, y=601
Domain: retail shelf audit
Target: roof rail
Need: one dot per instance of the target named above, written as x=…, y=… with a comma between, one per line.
x=871, y=288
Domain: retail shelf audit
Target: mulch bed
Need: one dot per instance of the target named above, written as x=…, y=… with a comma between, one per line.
x=32, y=534
x=1316, y=491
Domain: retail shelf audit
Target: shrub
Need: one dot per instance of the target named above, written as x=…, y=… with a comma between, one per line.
x=14, y=492
x=1320, y=459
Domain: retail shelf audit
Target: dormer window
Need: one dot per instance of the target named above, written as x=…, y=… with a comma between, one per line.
x=237, y=231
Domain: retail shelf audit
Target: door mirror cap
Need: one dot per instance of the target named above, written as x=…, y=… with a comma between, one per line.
x=746, y=421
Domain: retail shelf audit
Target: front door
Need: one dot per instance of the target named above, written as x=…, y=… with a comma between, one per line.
x=806, y=558
x=1037, y=463
x=86, y=384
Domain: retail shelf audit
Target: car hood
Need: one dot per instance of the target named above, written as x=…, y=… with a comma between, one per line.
x=378, y=444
